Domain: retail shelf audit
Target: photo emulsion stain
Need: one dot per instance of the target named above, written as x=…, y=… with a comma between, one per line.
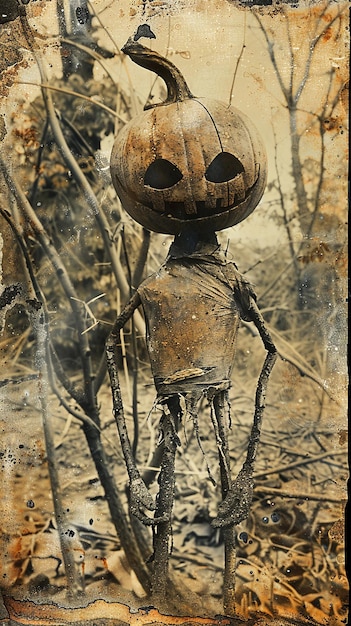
x=173, y=181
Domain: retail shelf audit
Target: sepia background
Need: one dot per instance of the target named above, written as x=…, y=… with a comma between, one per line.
x=70, y=256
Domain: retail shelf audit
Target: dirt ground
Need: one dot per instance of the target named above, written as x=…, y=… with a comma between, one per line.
x=290, y=550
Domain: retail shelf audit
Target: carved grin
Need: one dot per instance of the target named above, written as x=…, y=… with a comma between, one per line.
x=200, y=209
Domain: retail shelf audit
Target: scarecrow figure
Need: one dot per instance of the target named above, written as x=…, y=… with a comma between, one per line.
x=189, y=167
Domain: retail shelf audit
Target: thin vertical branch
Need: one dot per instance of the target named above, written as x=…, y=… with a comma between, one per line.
x=293, y=94
x=57, y=264
x=283, y=204
x=272, y=55
x=312, y=47
x=92, y=433
x=321, y=120
x=134, y=350
x=92, y=202
x=243, y=46
x=141, y=262
x=291, y=51
x=87, y=396
x=78, y=175
x=135, y=106
x=75, y=582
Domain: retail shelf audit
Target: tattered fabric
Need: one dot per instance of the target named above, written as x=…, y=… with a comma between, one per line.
x=193, y=305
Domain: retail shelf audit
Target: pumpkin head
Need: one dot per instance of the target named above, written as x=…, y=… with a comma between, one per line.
x=187, y=159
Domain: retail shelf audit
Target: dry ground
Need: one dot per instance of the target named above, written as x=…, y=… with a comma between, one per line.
x=290, y=550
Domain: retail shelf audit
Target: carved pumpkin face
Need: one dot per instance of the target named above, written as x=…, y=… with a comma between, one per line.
x=187, y=159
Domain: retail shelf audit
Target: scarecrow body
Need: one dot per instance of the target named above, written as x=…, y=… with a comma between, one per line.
x=192, y=309
x=189, y=167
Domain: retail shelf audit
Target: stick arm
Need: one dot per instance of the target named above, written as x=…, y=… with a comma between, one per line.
x=256, y=317
x=140, y=497
x=112, y=343
x=262, y=383
x=236, y=506
x=261, y=389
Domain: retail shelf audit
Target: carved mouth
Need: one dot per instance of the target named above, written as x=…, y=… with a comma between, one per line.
x=200, y=209
x=191, y=210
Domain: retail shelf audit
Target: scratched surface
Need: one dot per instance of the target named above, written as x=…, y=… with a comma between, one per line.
x=286, y=67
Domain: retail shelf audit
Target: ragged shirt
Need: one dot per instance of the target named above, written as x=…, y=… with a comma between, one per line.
x=193, y=305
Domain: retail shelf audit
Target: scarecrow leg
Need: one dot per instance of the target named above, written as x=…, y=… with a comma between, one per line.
x=140, y=497
x=220, y=404
x=166, y=480
x=221, y=426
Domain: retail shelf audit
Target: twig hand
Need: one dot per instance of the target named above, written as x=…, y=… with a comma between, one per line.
x=236, y=504
x=140, y=499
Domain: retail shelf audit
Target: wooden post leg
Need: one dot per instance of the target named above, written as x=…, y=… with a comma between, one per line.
x=164, y=505
x=220, y=404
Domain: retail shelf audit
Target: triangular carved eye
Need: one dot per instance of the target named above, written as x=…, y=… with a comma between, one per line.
x=224, y=167
x=162, y=174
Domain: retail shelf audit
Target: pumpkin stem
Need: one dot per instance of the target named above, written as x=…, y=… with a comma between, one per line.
x=177, y=89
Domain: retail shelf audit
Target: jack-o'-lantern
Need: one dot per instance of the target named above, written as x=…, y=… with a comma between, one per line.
x=186, y=159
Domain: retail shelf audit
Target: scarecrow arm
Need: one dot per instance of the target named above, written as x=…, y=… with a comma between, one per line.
x=236, y=505
x=256, y=317
x=140, y=497
x=261, y=388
